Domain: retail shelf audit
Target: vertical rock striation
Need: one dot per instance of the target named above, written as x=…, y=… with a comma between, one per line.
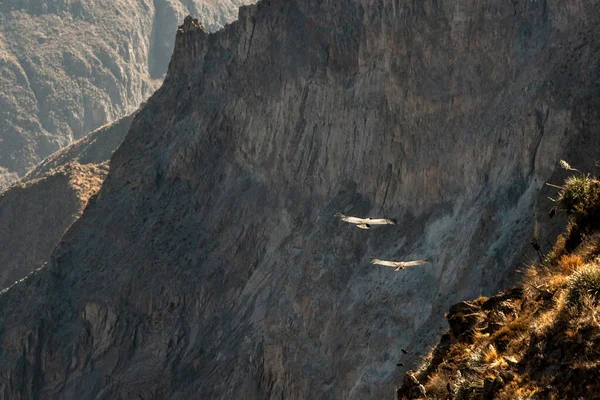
x=211, y=264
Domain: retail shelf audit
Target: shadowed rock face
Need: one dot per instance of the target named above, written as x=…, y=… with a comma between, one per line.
x=68, y=67
x=36, y=214
x=37, y=211
x=211, y=264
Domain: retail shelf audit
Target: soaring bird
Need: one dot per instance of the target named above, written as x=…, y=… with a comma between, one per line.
x=365, y=223
x=399, y=265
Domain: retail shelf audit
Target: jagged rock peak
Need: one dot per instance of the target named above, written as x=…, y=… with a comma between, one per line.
x=191, y=24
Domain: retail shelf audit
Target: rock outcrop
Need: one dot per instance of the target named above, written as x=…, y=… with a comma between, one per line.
x=95, y=148
x=37, y=211
x=211, y=264
x=68, y=67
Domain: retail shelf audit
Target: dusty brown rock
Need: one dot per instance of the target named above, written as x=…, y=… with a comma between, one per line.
x=462, y=317
x=211, y=264
x=411, y=389
x=507, y=295
x=507, y=376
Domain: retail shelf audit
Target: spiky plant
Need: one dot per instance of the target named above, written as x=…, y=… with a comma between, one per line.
x=584, y=282
x=580, y=195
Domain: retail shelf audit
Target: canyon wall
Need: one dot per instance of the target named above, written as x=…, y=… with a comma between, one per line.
x=211, y=265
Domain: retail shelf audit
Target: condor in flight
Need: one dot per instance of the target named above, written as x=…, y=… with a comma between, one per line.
x=365, y=223
x=399, y=265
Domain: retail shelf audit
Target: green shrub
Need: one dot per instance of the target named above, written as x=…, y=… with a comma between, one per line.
x=584, y=282
x=580, y=196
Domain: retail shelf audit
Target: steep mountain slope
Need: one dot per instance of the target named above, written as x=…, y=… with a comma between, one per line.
x=211, y=264
x=36, y=212
x=68, y=67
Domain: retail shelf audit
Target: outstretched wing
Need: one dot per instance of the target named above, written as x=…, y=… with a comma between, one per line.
x=413, y=263
x=368, y=221
x=385, y=263
x=352, y=220
x=381, y=221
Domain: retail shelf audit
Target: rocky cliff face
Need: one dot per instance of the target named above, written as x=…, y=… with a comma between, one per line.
x=36, y=211
x=68, y=67
x=211, y=265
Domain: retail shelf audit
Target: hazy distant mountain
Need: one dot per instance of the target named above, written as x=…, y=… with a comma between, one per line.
x=68, y=67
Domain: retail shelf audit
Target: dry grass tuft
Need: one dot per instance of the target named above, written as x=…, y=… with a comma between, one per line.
x=569, y=263
x=589, y=250
x=493, y=358
x=518, y=390
x=584, y=284
x=557, y=282
x=511, y=331
x=558, y=250
x=439, y=386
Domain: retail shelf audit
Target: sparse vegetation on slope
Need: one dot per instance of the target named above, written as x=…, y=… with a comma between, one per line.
x=536, y=342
